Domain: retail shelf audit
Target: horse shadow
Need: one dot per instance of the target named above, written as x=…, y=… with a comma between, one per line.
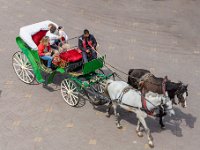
x=174, y=123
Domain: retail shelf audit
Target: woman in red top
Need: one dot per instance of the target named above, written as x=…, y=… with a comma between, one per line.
x=45, y=51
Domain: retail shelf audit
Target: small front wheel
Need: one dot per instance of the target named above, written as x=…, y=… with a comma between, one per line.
x=69, y=92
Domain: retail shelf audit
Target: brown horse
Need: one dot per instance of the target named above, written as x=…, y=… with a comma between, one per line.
x=145, y=81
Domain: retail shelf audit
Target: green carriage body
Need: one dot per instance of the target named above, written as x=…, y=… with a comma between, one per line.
x=86, y=79
x=88, y=69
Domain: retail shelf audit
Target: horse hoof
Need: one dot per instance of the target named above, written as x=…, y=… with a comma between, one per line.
x=151, y=144
x=119, y=126
x=108, y=115
x=163, y=127
x=140, y=134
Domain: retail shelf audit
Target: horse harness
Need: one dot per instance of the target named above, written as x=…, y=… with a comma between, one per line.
x=143, y=101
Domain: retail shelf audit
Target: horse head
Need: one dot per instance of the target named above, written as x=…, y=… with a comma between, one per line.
x=182, y=94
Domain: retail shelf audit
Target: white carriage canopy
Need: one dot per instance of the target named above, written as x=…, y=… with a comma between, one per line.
x=28, y=31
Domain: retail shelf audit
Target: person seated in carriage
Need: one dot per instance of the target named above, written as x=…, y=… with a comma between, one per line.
x=57, y=36
x=64, y=37
x=87, y=44
x=45, y=51
x=53, y=36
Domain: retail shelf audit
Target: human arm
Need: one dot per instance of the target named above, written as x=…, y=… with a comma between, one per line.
x=41, y=50
x=80, y=45
x=94, y=42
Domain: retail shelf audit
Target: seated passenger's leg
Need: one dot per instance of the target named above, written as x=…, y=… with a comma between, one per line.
x=94, y=54
x=84, y=54
x=49, y=59
x=54, y=46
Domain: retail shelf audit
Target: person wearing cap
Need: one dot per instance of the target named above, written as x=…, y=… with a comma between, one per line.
x=63, y=35
x=44, y=50
x=87, y=44
x=53, y=36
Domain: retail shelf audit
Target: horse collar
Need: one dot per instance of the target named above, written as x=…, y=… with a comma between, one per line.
x=144, y=104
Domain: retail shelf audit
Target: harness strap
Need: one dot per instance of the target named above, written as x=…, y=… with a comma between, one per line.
x=143, y=101
x=144, y=104
x=124, y=91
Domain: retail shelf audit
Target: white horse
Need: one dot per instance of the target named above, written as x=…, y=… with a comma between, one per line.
x=131, y=100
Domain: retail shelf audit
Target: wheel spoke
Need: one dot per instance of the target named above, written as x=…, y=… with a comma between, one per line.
x=30, y=73
x=16, y=64
x=63, y=84
x=18, y=70
x=70, y=85
x=71, y=99
x=20, y=73
x=29, y=78
x=74, y=96
x=23, y=74
x=20, y=58
x=65, y=95
x=67, y=83
x=18, y=61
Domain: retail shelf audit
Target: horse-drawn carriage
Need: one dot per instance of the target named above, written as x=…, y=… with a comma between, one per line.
x=89, y=79
x=86, y=79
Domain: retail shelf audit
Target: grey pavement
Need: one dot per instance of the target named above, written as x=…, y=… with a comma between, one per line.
x=160, y=35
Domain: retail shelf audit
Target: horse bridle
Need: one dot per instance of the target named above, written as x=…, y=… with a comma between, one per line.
x=179, y=93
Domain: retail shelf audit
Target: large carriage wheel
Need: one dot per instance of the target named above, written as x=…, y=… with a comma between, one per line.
x=22, y=67
x=69, y=92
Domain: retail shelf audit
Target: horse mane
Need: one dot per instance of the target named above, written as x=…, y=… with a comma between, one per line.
x=172, y=85
x=155, y=80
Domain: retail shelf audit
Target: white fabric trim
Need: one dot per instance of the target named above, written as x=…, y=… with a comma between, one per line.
x=26, y=32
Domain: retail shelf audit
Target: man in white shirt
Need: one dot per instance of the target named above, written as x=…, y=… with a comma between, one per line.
x=54, y=38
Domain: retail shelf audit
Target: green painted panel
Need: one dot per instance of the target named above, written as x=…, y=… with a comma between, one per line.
x=93, y=65
x=32, y=57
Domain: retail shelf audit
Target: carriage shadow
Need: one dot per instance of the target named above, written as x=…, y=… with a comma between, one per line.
x=173, y=123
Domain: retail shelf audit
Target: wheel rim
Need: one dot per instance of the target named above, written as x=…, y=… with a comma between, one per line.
x=69, y=92
x=23, y=68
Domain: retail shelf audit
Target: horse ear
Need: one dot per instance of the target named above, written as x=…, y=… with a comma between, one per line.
x=166, y=77
x=180, y=82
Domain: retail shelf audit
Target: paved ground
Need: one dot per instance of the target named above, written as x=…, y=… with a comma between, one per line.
x=160, y=35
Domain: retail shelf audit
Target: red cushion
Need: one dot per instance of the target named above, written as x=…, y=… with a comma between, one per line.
x=71, y=55
x=38, y=36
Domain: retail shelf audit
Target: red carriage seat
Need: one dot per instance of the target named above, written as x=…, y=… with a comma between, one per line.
x=38, y=36
x=72, y=55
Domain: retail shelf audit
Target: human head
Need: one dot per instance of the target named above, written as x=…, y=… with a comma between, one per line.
x=60, y=28
x=50, y=25
x=86, y=33
x=45, y=40
x=53, y=28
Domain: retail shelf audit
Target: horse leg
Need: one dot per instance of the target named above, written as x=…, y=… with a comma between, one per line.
x=161, y=114
x=116, y=115
x=139, y=133
x=147, y=130
x=109, y=109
